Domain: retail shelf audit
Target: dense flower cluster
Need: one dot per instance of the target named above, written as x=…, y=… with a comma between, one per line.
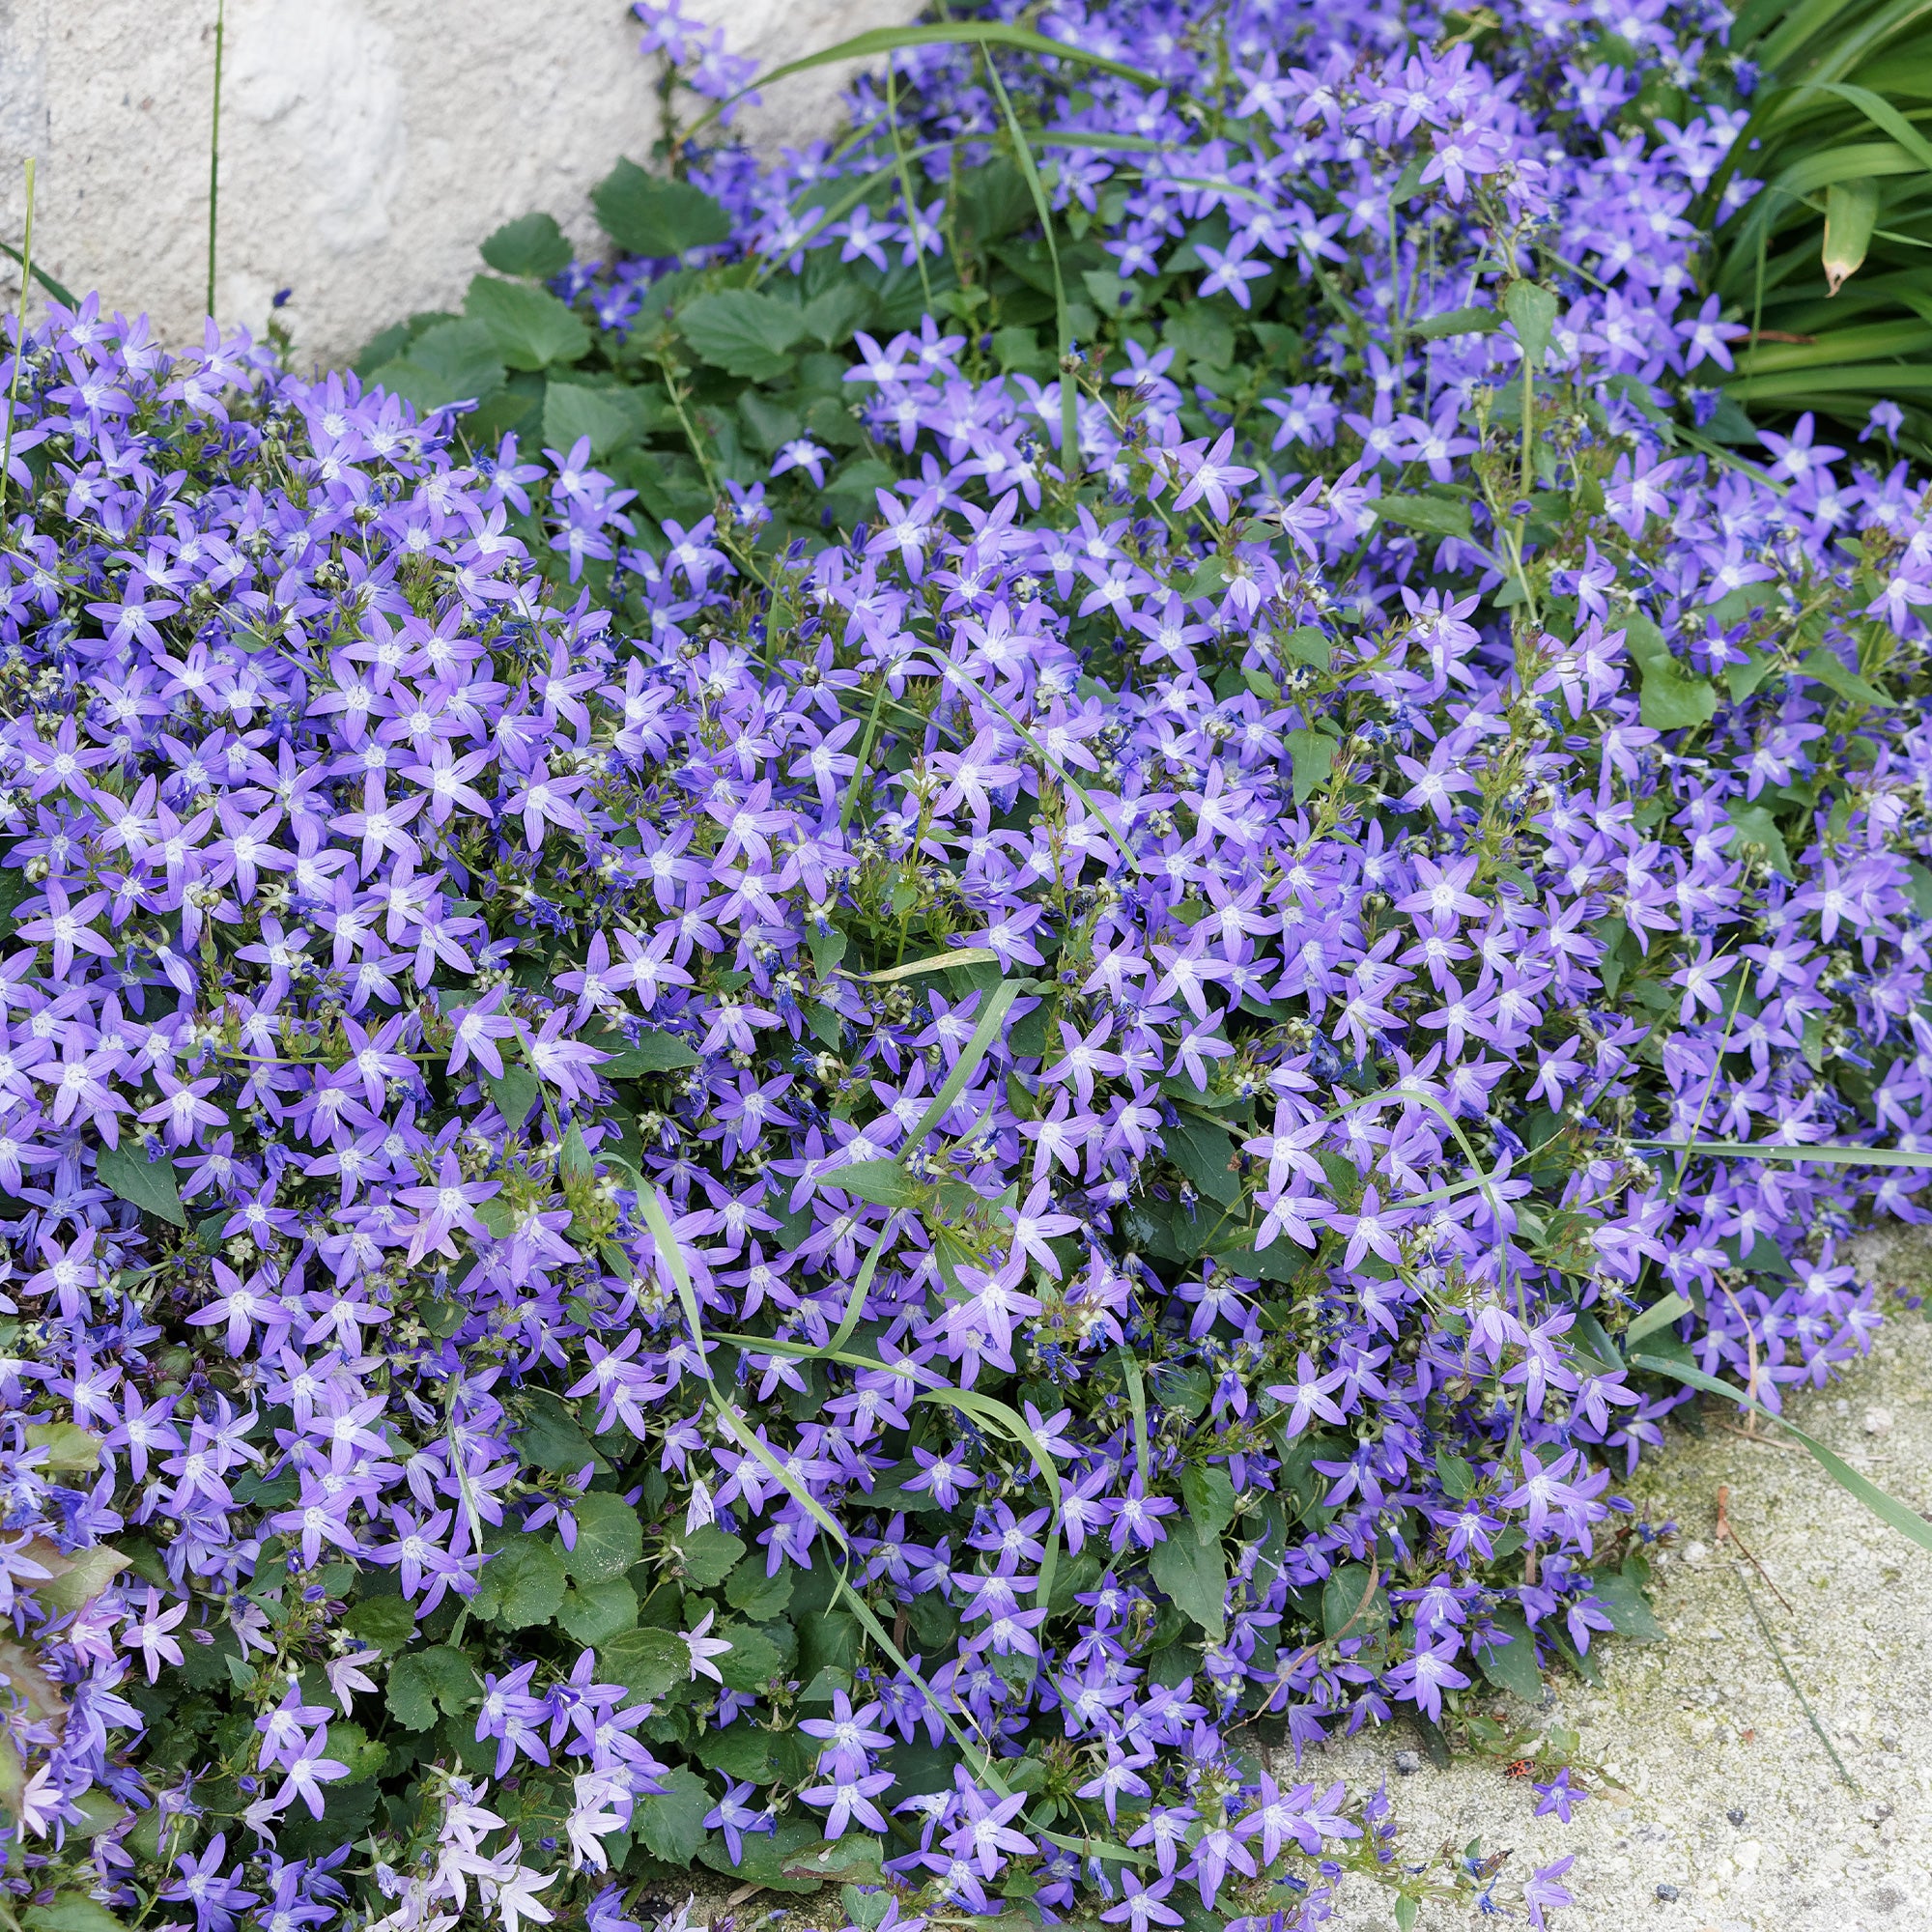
x=850, y=1201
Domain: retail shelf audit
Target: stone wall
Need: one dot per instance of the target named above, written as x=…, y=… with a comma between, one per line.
x=367, y=145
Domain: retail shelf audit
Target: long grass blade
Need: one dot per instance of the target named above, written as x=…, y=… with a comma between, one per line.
x=1887, y=1508
x=957, y=32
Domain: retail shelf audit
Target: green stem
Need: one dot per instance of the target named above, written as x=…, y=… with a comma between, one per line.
x=19, y=341
x=214, y=149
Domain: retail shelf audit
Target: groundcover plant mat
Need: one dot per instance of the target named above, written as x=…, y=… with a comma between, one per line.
x=857, y=1184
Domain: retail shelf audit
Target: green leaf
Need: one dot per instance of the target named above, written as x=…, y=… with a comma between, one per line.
x=1627, y=1607
x=89, y=1571
x=71, y=1912
x=530, y=328
x=1442, y=515
x=528, y=1575
x=1458, y=322
x=770, y=425
x=386, y=1622
x=1851, y=213
x=1512, y=1666
x=1658, y=1315
x=597, y=1612
x=1830, y=670
x=611, y=417
x=1202, y=336
x=883, y=1182
x=833, y=317
x=741, y=1751
x=649, y=1662
x=645, y=214
x=149, y=1184
x=1194, y=1575
x=548, y=1436
x=1314, y=755
x=423, y=1681
x=763, y=1855
x=709, y=1555
x=451, y=361
x=1532, y=312
x=1674, y=698
x=1756, y=826
x=533, y=247
x=654, y=1053
x=1458, y=1479
x=760, y=1597
x=610, y=1539
x=1210, y=1495
x=1353, y=1605
x=743, y=332
x=515, y=1093
x=1201, y=1153
x=1306, y=645
x=68, y=1446
x=753, y=1659
x=672, y=1824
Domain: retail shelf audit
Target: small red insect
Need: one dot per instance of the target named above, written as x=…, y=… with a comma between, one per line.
x=1520, y=1768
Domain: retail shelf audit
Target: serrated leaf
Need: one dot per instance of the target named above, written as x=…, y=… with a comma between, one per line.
x=528, y=1575
x=149, y=1184
x=753, y=1659
x=672, y=1824
x=649, y=1662
x=452, y=361
x=610, y=1539
x=71, y=1912
x=1193, y=1574
x=386, y=1622
x=422, y=1682
x=740, y=1752
x=599, y=1612
x=708, y=1554
x=833, y=317
x=611, y=417
x=1314, y=755
x=646, y=215
x=743, y=332
x=760, y=1597
x=530, y=328
x=533, y=247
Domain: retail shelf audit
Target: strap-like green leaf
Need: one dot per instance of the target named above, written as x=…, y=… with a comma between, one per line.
x=1887, y=1508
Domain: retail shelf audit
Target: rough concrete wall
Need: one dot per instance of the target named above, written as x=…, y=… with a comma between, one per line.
x=367, y=145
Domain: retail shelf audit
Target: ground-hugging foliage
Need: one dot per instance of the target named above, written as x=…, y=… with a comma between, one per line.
x=851, y=1185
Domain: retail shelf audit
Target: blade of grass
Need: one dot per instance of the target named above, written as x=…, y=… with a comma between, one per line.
x=214, y=149
x=954, y=33
x=1832, y=1154
x=26, y=260
x=1784, y=1671
x=1887, y=1508
x=954, y=1084
x=60, y=291
x=1069, y=433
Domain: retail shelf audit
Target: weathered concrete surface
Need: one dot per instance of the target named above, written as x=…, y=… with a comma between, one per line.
x=1705, y=1725
x=367, y=146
